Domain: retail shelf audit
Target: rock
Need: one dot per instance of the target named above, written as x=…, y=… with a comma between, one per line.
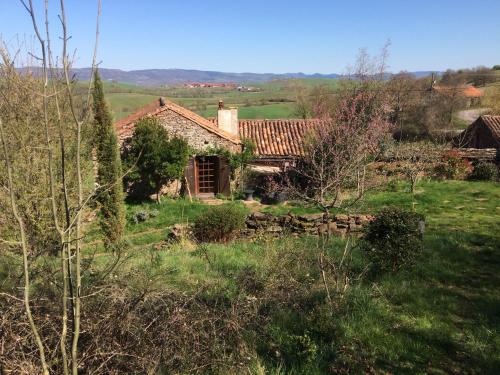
x=311, y=217
x=362, y=219
x=274, y=229
x=306, y=224
x=355, y=228
x=259, y=216
x=252, y=224
x=342, y=218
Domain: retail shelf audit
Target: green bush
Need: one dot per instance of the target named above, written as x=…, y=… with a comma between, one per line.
x=219, y=223
x=153, y=158
x=485, y=172
x=144, y=215
x=393, y=239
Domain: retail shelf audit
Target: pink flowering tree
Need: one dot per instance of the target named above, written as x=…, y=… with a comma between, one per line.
x=332, y=171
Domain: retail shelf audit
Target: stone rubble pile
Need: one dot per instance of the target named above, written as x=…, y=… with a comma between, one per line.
x=314, y=224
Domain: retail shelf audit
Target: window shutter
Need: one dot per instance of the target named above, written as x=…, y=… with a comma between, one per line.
x=224, y=177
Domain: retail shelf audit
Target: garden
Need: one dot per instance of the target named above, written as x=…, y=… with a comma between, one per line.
x=437, y=314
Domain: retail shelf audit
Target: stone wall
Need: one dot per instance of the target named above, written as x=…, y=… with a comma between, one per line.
x=315, y=224
x=198, y=137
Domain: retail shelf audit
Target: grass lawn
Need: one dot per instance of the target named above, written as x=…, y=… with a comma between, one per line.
x=441, y=316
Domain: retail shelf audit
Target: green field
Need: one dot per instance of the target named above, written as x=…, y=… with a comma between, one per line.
x=266, y=111
x=272, y=100
x=123, y=104
x=441, y=316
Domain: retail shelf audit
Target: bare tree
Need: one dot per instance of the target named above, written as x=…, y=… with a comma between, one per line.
x=41, y=95
x=416, y=158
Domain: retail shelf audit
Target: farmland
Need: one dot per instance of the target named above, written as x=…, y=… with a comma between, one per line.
x=269, y=100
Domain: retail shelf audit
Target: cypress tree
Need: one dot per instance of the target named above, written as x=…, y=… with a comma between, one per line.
x=109, y=170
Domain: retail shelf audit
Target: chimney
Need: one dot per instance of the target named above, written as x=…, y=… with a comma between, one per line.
x=162, y=101
x=227, y=119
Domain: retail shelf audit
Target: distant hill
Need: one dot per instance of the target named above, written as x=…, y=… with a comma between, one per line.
x=159, y=77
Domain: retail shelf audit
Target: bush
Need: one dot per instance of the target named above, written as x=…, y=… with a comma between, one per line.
x=143, y=215
x=154, y=158
x=485, y=172
x=219, y=223
x=393, y=239
x=453, y=166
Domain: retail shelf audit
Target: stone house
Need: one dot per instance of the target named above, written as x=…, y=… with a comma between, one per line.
x=278, y=142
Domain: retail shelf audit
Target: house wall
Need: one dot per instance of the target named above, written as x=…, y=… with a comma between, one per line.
x=198, y=137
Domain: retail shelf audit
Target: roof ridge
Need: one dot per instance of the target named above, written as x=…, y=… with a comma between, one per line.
x=154, y=108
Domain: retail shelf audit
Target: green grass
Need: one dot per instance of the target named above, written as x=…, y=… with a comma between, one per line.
x=441, y=316
x=123, y=104
x=267, y=111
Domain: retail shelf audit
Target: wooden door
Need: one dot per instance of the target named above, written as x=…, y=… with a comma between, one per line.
x=224, y=176
x=206, y=175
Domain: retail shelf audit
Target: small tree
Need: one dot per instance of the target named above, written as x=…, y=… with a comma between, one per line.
x=337, y=151
x=394, y=239
x=109, y=169
x=155, y=159
x=417, y=157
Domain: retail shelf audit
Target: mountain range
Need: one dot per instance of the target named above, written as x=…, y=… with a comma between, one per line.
x=161, y=77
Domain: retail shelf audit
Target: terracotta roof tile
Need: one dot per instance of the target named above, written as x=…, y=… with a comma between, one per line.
x=275, y=138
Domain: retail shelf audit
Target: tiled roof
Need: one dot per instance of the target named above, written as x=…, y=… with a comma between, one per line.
x=493, y=123
x=125, y=126
x=467, y=91
x=475, y=135
x=277, y=137
x=472, y=92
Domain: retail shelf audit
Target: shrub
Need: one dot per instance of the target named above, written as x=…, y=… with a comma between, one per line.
x=219, y=223
x=485, y=172
x=140, y=217
x=144, y=215
x=453, y=166
x=393, y=239
x=154, y=158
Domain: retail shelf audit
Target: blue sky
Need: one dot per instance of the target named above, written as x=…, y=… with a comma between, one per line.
x=272, y=36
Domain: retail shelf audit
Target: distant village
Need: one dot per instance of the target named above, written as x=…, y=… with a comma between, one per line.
x=233, y=86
